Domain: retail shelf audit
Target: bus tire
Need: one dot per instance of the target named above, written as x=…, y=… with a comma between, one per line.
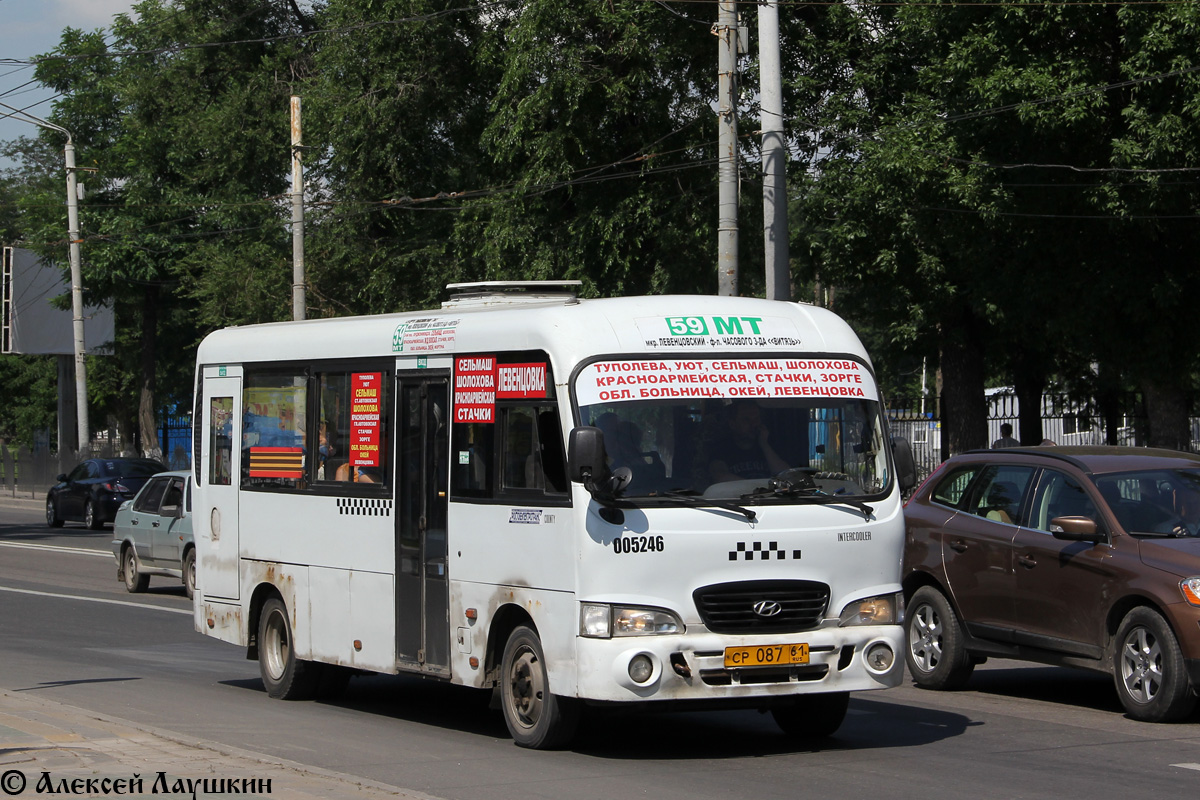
x=536, y=718
x=284, y=676
x=812, y=716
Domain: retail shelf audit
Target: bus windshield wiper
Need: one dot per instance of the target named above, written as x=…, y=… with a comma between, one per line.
x=696, y=499
x=778, y=488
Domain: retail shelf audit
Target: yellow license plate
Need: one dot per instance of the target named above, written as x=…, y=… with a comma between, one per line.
x=766, y=655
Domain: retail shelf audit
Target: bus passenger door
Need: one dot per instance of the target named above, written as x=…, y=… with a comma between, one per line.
x=216, y=517
x=422, y=472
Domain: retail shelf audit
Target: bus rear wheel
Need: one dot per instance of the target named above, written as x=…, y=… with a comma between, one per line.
x=536, y=718
x=284, y=676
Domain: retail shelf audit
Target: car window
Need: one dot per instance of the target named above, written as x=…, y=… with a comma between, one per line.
x=79, y=473
x=93, y=470
x=950, y=490
x=998, y=492
x=1059, y=495
x=139, y=468
x=172, y=498
x=1154, y=502
x=149, y=500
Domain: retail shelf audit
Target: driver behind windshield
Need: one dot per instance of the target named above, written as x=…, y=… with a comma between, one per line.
x=743, y=450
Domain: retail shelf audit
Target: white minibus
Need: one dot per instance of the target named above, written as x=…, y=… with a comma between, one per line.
x=669, y=501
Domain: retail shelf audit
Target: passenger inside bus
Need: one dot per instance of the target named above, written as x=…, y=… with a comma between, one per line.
x=743, y=449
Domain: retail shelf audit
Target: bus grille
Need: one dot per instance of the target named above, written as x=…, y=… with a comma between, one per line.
x=730, y=607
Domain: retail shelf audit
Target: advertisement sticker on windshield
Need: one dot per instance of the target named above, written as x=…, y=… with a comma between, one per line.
x=623, y=381
x=718, y=332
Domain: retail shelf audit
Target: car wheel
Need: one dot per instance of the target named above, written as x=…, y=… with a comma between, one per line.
x=1149, y=670
x=284, y=676
x=91, y=518
x=52, y=518
x=935, y=654
x=535, y=717
x=135, y=581
x=812, y=716
x=189, y=573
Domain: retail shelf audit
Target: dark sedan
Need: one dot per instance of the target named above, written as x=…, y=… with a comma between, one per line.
x=93, y=491
x=1083, y=557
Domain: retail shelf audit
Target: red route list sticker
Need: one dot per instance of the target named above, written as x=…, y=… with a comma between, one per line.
x=475, y=389
x=364, y=418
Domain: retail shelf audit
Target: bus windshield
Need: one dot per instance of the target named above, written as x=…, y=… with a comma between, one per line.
x=773, y=430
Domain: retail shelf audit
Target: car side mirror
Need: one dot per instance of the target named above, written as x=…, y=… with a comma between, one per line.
x=1076, y=529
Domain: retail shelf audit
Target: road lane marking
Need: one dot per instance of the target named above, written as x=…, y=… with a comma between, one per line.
x=83, y=551
x=97, y=600
x=1188, y=766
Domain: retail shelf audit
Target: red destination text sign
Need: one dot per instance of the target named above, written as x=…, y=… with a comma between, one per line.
x=475, y=389
x=365, y=401
x=516, y=381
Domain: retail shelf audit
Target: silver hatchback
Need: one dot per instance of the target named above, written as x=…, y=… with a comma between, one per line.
x=152, y=533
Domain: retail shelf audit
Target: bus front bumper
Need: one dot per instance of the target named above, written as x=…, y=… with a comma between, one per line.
x=707, y=666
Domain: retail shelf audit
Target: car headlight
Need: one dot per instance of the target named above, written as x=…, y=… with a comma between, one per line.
x=1191, y=590
x=884, y=609
x=604, y=621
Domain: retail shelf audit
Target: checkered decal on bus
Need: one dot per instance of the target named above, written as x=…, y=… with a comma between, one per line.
x=747, y=550
x=364, y=507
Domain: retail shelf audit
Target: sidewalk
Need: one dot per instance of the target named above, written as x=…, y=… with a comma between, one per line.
x=76, y=753
x=22, y=500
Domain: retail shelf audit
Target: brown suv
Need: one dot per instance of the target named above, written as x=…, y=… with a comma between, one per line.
x=1079, y=556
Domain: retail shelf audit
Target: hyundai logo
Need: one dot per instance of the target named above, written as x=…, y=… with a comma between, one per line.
x=767, y=608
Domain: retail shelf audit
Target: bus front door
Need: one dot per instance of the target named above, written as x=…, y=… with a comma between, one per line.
x=422, y=472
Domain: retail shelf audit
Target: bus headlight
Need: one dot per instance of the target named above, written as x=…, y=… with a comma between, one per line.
x=882, y=609
x=602, y=621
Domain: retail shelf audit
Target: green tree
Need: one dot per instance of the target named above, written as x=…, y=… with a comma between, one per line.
x=182, y=224
x=996, y=180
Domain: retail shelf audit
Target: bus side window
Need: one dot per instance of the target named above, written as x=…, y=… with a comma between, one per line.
x=471, y=457
x=221, y=441
x=550, y=444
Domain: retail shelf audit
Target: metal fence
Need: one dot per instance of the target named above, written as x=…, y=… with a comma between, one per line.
x=1065, y=421
x=31, y=473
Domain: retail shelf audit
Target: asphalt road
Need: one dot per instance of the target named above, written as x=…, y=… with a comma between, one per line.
x=69, y=632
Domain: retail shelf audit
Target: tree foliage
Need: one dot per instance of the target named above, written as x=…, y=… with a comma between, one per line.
x=995, y=189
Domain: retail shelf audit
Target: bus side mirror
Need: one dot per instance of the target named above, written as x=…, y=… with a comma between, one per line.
x=586, y=459
x=906, y=465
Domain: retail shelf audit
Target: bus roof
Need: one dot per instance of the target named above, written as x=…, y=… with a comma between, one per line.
x=569, y=329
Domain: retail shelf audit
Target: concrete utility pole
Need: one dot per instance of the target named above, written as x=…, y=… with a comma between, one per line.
x=83, y=431
x=298, y=298
x=726, y=30
x=81, y=406
x=775, y=206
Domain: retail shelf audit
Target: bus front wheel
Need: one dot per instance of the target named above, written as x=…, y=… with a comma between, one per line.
x=535, y=717
x=284, y=676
